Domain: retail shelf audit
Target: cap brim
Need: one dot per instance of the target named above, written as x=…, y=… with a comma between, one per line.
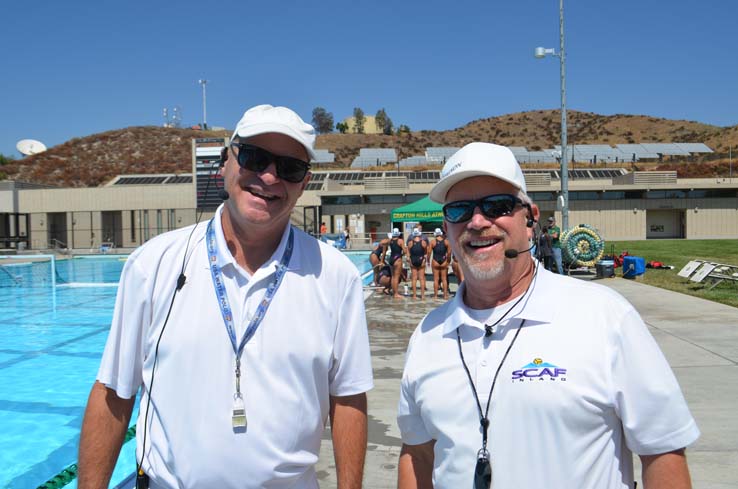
x=439, y=190
x=264, y=128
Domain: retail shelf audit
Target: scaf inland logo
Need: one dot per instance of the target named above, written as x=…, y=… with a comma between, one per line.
x=540, y=371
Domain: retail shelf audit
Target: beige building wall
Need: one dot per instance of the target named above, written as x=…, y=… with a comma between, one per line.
x=115, y=198
x=6, y=201
x=612, y=224
x=38, y=235
x=370, y=125
x=82, y=227
x=711, y=222
x=85, y=209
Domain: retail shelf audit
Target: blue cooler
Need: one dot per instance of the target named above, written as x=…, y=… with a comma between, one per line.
x=633, y=266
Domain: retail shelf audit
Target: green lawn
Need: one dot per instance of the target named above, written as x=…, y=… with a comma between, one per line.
x=678, y=252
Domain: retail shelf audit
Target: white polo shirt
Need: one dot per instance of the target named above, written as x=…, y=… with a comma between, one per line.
x=583, y=386
x=312, y=343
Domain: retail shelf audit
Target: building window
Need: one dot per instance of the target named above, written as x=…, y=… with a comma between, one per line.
x=385, y=199
x=542, y=196
x=342, y=200
x=133, y=226
x=583, y=195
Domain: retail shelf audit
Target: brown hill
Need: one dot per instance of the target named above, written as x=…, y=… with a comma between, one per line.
x=94, y=159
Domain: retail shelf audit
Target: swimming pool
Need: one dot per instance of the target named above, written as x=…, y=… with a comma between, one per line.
x=360, y=259
x=51, y=342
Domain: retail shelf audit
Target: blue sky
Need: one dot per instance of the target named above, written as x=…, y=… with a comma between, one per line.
x=71, y=69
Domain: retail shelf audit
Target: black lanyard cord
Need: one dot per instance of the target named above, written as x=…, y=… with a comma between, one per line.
x=483, y=419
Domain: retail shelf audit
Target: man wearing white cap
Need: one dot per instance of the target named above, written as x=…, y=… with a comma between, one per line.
x=254, y=331
x=527, y=378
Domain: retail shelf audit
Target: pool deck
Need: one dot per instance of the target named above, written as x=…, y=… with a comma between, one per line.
x=699, y=339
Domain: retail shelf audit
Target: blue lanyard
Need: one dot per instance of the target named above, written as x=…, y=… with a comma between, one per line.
x=220, y=292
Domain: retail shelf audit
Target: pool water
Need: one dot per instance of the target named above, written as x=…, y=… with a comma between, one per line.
x=360, y=259
x=51, y=343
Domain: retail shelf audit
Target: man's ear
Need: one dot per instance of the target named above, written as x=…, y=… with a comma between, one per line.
x=223, y=156
x=305, y=181
x=536, y=215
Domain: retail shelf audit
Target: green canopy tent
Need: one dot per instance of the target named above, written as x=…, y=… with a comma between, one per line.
x=423, y=210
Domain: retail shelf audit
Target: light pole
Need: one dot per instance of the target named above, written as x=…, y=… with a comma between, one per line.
x=541, y=53
x=204, y=82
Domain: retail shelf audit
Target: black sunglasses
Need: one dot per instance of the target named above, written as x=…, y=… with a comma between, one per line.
x=492, y=206
x=256, y=159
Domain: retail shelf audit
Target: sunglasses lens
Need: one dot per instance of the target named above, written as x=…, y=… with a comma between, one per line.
x=256, y=159
x=252, y=158
x=458, y=211
x=498, y=205
x=291, y=169
x=483, y=474
x=492, y=206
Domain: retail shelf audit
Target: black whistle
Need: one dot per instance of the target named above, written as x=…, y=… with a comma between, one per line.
x=483, y=473
x=142, y=480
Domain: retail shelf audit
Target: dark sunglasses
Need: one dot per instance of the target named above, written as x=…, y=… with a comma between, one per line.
x=256, y=159
x=492, y=206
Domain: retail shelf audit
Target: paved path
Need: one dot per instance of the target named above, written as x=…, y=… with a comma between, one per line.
x=698, y=337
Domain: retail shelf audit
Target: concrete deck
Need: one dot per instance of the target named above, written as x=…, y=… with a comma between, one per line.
x=698, y=337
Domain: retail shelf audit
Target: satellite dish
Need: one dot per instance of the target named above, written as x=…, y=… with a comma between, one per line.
x=30, y=147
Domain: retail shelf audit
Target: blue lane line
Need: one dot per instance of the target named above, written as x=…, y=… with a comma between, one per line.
x=51, y=349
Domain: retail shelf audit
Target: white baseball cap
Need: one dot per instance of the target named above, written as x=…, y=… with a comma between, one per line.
x=478, y=159
x=266, y=118
x=416, y=232
x=395, y=232
x=438, y=232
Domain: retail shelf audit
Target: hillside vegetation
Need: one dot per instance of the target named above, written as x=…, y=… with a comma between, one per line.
x=95, y=159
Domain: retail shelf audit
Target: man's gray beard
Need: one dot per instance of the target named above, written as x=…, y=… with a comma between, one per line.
x=475, y=271
x=473, y=263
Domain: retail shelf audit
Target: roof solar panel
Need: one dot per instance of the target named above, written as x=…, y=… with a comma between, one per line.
x=180, y=179
x=422, y=176
x=141, y=180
